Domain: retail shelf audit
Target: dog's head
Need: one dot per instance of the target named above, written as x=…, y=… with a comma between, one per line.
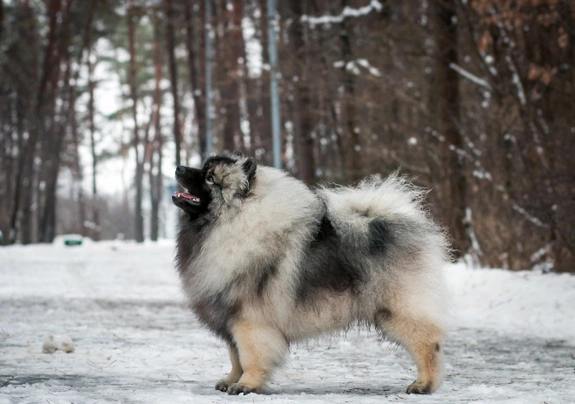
x=221, y=181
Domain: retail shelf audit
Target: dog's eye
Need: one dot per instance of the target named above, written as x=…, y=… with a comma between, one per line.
x=209, y=179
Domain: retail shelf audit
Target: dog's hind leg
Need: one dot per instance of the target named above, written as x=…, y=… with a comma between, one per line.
x=261, y=349
x=234, y=374
x=422, y=339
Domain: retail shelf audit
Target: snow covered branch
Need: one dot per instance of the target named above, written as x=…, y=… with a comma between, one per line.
x=347, y=12
x=528, y=216
x=352, y=66
x=471, y=77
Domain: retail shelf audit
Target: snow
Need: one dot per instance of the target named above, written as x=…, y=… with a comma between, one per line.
x=470, y=76
x=512, y=338
x=483, y=175
x=54, y=343
x=528, y=303
x=347, y=12
x=372, y=70
x=537, y=222
x=352, y=66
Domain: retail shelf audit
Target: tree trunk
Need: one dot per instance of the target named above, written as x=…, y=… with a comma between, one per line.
x=230, y=50
x=328, y=95
x=1, y=18
x=258, y=97
x=446, y=89
x=155, y=173
x=57, y=130
x=37, y=126
x=350, y=128
x=95, y=225
x=195, y=71
x=95, y=228
x=304, y=143
x=173, y=77
x=139, y=219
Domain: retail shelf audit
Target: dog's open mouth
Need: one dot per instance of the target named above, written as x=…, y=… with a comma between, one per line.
x=186, y=198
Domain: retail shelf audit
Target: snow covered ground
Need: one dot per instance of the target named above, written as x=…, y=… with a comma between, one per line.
x=513, y=338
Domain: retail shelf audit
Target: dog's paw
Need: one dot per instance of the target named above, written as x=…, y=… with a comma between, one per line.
x=419, y=388
x=238, y=388
x=222, y=385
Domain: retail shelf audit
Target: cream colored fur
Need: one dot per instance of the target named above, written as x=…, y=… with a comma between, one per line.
x=275, y=223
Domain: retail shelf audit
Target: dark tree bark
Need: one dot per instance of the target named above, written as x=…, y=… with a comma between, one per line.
x=195, y=42
x=57, y=130
x=446, y=89
x=76, y=165
x=230, y=50
x=37, y=127
x=328, y=97
x=1, y=18
x=155, y=172
x=170, y=41
x=53, y=11
x=258, y=96
x=95, y=225
x=139, y=219
x=350, y=127
x=305, y=110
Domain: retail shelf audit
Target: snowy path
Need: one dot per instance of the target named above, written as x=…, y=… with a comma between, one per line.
x=136, y=342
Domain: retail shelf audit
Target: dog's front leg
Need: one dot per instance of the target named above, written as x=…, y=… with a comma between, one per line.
x=261, y=348
x=234, y=374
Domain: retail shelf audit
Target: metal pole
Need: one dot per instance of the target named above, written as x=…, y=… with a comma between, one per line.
x=208, y=29
x=272, y=48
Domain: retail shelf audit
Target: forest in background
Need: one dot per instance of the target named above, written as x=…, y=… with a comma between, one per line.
x=475, y=99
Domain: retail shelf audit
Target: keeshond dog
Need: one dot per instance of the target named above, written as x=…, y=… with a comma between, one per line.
x=266, y=262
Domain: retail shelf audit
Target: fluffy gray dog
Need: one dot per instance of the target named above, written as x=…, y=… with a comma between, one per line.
x=266, y=262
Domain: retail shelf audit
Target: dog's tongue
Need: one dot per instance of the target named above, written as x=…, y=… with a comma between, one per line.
x=184, y=195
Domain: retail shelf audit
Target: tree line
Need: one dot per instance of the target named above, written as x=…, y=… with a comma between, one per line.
x=474, y=99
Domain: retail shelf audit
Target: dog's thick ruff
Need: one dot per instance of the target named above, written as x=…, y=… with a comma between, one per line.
x=266, y=262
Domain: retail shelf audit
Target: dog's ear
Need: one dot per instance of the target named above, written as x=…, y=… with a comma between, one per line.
x=249, y=168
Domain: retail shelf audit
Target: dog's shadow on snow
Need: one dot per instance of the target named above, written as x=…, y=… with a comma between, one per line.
x=310, y=389
x=336, y=388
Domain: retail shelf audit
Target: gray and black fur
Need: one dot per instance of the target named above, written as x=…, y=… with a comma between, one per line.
x=267, y=262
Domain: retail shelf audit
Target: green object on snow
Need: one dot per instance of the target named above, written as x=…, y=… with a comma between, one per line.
x=72, y=242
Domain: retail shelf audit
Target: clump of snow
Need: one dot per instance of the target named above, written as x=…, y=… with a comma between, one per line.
x=352, y=66
x=54, y=343
x=347, y=12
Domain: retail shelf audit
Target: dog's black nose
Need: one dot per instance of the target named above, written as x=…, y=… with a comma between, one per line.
x=180, y=169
